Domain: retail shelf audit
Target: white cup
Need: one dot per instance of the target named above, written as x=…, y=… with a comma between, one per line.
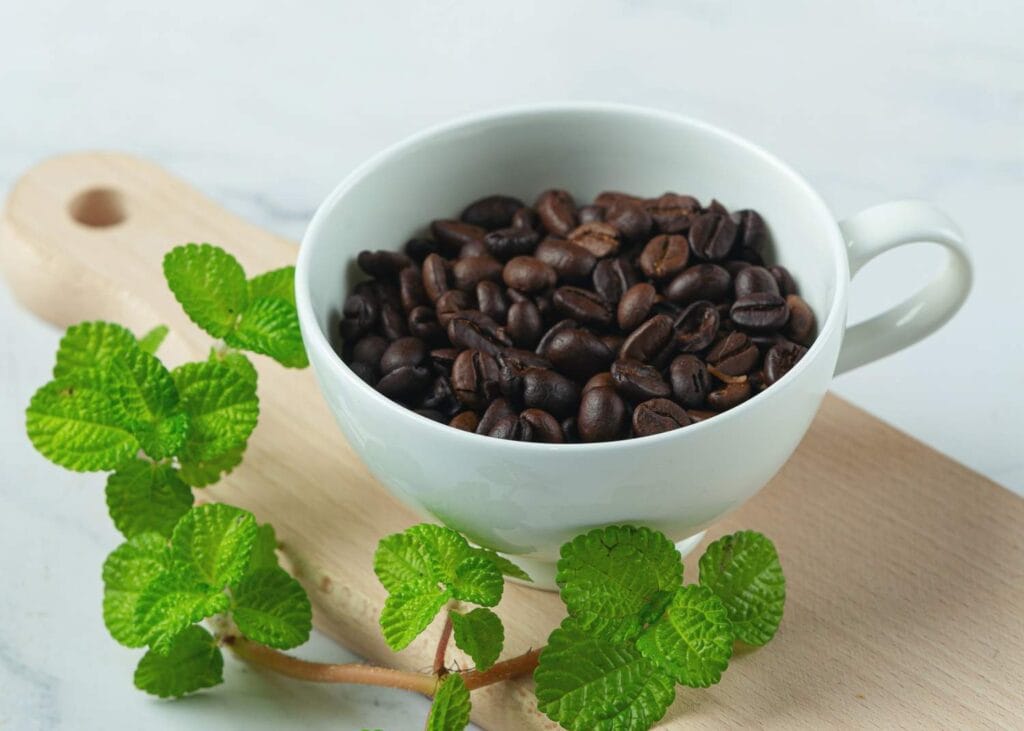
x=526, y=499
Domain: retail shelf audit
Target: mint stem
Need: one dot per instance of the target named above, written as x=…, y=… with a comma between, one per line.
x=442, y=646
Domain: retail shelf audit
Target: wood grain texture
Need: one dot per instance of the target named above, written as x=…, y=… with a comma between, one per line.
x=905, y=570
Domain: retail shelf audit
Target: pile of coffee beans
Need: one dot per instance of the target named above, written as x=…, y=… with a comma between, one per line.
x=563, y=323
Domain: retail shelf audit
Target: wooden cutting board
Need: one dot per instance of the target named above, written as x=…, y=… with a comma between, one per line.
x=905, y=570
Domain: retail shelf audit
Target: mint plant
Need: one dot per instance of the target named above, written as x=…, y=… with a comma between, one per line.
x=633, y=630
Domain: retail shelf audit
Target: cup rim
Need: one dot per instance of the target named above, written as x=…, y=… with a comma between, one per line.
x=316, y=340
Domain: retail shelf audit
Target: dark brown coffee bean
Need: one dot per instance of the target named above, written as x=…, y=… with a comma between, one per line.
x=441, y=398
x=432, y=414
x=612, y=277
x=569, y=429
x=601, y=416
x=781, y=359
x=557, y=211
x=657, y=416
x=599, y=239
x=734, y=355
x=382, y=264
x=544, y=426
x=498, y=409
x=473, y=248
x=712, y=236
x=784, y=279
x=527, y=274
x=525, y=217
x=590, y=214
x=582, y=305
x=638, y=381
x=700, y=414
x=578, y=353
x=753, y=279
x=631, y=220
x=473, y=329
x=716, y=207
x=506, y=243
x=465, y=421
x=392, y=322
x=407, y=351
x=570, y=261
x=745, y=253
x=729, y=395
x=608, y=198
x=369, y=349
x=760, y=311
x=690, y=382
x=696, y=327
x=511, y=428
x=435, y=277
x=545, y=339
x=442, y=359
x=648, y=340
x=664, y=256
x=365, y=371
x=699, y=282
x=612, y=341
x=419, y=249
x=734, y=266
x=475, y=379
x=456, y=234
x=753, y=233
x=673, y=213
x=469, y=271
x=512, y=365
x=359, y=314
x=491, y=300
x=405, y=384
x=452, y=301
x=801, y=323
x=410, y=287
x=494, y=211
x=524, y=324
x=549, y=390
x=599, y=380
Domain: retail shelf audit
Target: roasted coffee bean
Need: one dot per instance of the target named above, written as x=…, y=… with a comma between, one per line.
x=735, y=266
x=601, y=416
x=753, y=279
x=700, y=415
x=600, y=239
x=382, y=264
x=512, y=365
x=712, y=236
x=543, y=426
x=612, y=277
x=511, y=428
x=435, y=277
x=784, y=279
x=440, y=397
x=752, y=233
x=699, y=282
x=545, y=340
x=734, y=355
x=648, y=340
x=452, y=301
x=612, y=341
x=582, y=305
x=369, y=350
x=525, y=217
x=578, y=353
x=590, y=214
x=716, y=207
x=570, y=261
x=527, y=274
x=557, y=211
x=760, y=311
x=392, y=322
x=473, y=248
x=638, y=381
x=664, y=256
x=407, y=351
x=465, y=421
x=442, y=359
x=359, y=314
x=729, y=395
x=420, y=248
x=365, y=371
x=608, y=198
x=410, y=287
x=780, y=360
x=549, y=390
x=568, y=425
x=469, y=271
x=405, y=384
x=456, y=234
x=498, y=409
x=673, y=213
x=800, y=326
x=473, y=329
x=765, y=341
x=690, y=382
x=525, y=324
x=599, y=380
x=746, y=254
x=494, y=211
x=506, y=243
x=696, y=327
x=475, y=379
x=491, y=300
x=657, y=416
x=630, y=219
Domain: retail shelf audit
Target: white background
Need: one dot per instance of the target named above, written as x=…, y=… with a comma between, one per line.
x=265, y=106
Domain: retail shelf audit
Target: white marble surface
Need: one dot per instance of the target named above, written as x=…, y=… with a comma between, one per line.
x=266, y=105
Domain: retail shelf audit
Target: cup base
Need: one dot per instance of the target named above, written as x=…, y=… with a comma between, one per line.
x=543, y=572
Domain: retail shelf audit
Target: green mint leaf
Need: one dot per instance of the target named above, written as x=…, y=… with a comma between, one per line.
x=505, y=566
x=479, y=634
x=611, y=577
x=144, y=497
x=192, y=662
x=278, y=283
x=450, y=710
x=222, y=408
x=173, y=601
x=743, y=570
x=407, y=613
x=264, y=550
x=446, y=547
x=272, y=608
x=478, y=580
x=420, y=557
x=235, y=361
x=126, y=572
x=209, y=284
x=85, y=348
x=200, y=472
x=215, y=543
x=270, y=326
x=591, y=683
x=79, y=428
x=147, y=393
x=693, y=640
x=151, y=341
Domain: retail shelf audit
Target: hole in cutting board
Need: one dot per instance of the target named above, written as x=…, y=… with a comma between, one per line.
x=98, y=207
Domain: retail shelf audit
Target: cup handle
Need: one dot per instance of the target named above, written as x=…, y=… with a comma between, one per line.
x=878, y=229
